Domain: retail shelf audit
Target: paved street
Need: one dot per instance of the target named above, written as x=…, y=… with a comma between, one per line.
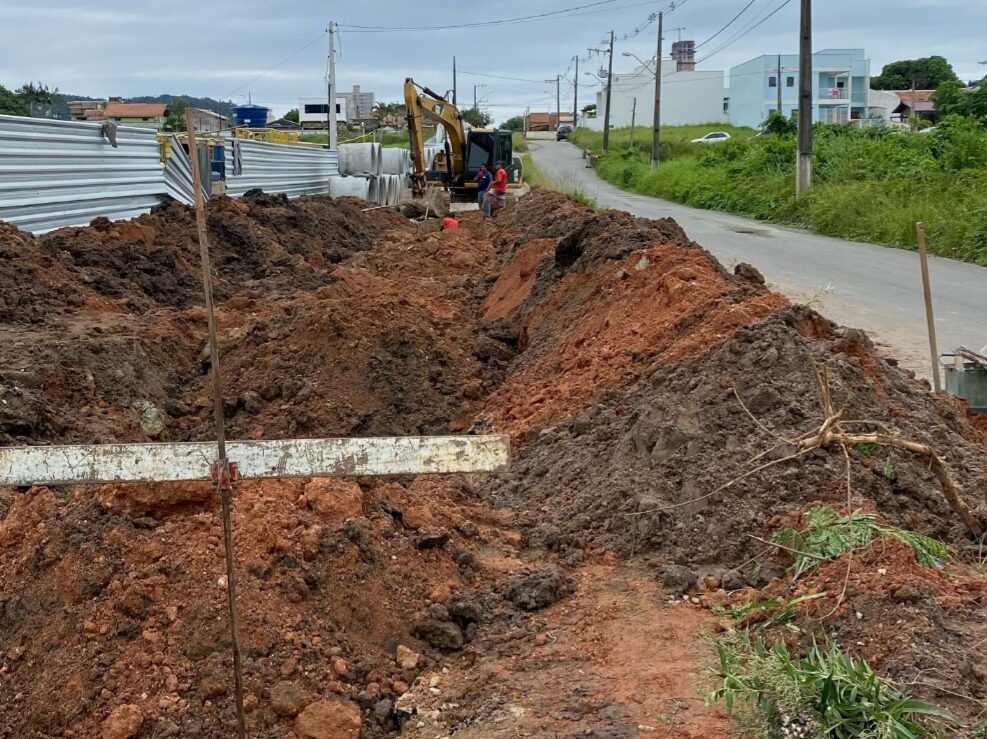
x=873, y=287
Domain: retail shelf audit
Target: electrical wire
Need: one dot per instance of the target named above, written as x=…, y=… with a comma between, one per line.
x=728, y=24
x=743, y=32
x=379, y=29
x=283, y=61
x=500, y=77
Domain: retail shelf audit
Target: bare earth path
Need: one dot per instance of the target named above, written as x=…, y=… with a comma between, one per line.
x=875, y=288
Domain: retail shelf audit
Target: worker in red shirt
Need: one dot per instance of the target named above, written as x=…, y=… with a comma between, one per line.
x=500, y=185
x=449, y=223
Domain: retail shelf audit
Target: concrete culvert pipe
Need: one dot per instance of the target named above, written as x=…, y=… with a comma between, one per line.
x=357, y=187
x=356, y=159
x=394, y=161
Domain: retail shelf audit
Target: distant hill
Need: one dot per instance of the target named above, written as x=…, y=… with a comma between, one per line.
x=222, y=107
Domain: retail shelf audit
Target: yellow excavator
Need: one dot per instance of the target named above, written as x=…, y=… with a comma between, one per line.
x=455, y=168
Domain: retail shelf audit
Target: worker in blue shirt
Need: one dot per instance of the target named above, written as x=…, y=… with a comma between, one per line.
x=483, y=180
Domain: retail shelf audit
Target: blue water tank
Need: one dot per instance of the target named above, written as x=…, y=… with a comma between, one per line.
x=252, y=116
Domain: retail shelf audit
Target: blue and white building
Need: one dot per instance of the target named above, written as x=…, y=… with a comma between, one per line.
x=840, y=87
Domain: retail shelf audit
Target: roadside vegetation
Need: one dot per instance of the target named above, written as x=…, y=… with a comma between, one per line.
x=536, y=178
x=870, y=184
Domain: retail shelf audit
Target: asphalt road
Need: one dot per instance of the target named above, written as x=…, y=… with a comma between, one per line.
x=866, y=286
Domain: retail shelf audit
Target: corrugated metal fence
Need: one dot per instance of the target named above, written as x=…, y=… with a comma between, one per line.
x=61, y=173
x=64, y=173
x=277, y=168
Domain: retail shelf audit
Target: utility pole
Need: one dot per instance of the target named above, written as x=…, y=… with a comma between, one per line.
x=803, y=174
x=630, y=144
x=779, y=84
x=606, y=114
x=911, y=116
x=656, y=127
x=474, y=95
x=558, y=101
x=575, y=95
x=331, y=117
x=454, y=100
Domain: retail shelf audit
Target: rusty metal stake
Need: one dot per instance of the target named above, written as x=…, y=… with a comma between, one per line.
x=224, y=478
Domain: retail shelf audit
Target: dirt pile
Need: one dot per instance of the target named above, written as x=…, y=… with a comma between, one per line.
x=635, y=375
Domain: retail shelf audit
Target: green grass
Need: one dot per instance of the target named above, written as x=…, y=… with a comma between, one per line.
x=536, y=178
x=771, y=692
x=870, y=185
x=518, y=143
x=826, y=535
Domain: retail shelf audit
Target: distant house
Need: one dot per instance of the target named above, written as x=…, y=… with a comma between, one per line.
x=840, y=87
x=140, y=115
x=85, y=110
x=314, y=112
x=547, y=121
x=917, y=103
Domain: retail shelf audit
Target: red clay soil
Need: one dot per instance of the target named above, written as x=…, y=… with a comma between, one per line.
x=595, y=330
x=519, y=601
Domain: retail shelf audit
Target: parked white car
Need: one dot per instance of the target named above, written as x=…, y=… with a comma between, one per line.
x=712, y=138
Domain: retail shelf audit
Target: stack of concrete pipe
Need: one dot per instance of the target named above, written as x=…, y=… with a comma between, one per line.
x=371, y=172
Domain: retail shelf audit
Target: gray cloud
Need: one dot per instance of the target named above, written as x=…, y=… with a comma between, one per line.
x=117, y=47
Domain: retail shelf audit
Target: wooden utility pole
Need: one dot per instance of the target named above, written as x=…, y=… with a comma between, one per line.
x=803, y=174
x=927, y=294
x=656, y=123
x=222, y=466
x=575, y=95
x=606, y=114
x=331, y=120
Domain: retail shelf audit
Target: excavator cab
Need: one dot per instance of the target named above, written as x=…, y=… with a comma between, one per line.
x=489, y=146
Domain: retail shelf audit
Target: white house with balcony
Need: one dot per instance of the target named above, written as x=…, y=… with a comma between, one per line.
x=840, y=87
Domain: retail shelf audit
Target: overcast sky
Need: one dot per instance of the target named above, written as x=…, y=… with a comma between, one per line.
x=276, y=52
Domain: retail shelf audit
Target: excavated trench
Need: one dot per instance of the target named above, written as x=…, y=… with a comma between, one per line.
x=634, y=375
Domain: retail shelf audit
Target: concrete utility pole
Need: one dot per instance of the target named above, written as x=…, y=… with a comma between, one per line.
x=606, y=114
x=474, y=94
x=455, y=101
x=575, y=95
x=630, y=144
x=779, y=84
x=656, y=127
x=331, y=118
x=803, y=174
x=558, y=101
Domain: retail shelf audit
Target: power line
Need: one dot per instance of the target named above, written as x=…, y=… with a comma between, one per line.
x=381, y=29
x=739, y=35
x=500, y=77
x=283, y=61
x=729, y=23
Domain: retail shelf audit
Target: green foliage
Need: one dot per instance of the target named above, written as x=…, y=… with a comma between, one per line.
x=476, y=117
x=515, y=124
x=827, y=535
x=870, y=185
x=37, y=92
x=779, y=124
x=292, y=115
x=11, y=103
x=926, y=73
x=536, y=178
x=519, y=143
x=223, y=107
x=772, y=692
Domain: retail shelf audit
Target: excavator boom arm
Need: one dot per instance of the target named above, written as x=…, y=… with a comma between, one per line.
x=434, y=107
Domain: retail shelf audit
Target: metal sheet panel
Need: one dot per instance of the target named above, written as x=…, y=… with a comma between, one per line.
x=64, y=173
x=281, y=168
x=178, y=174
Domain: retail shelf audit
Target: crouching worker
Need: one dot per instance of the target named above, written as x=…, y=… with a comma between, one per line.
x=449, y=223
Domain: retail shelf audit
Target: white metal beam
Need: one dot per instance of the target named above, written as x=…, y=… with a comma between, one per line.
x=410, y=455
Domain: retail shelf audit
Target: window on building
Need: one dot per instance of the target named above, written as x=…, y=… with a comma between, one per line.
x=316, y=108
x=726, y=105
x=840, y=84
x=338, y=109
x=146, y=119
x=772, y=81
x=790, y=82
